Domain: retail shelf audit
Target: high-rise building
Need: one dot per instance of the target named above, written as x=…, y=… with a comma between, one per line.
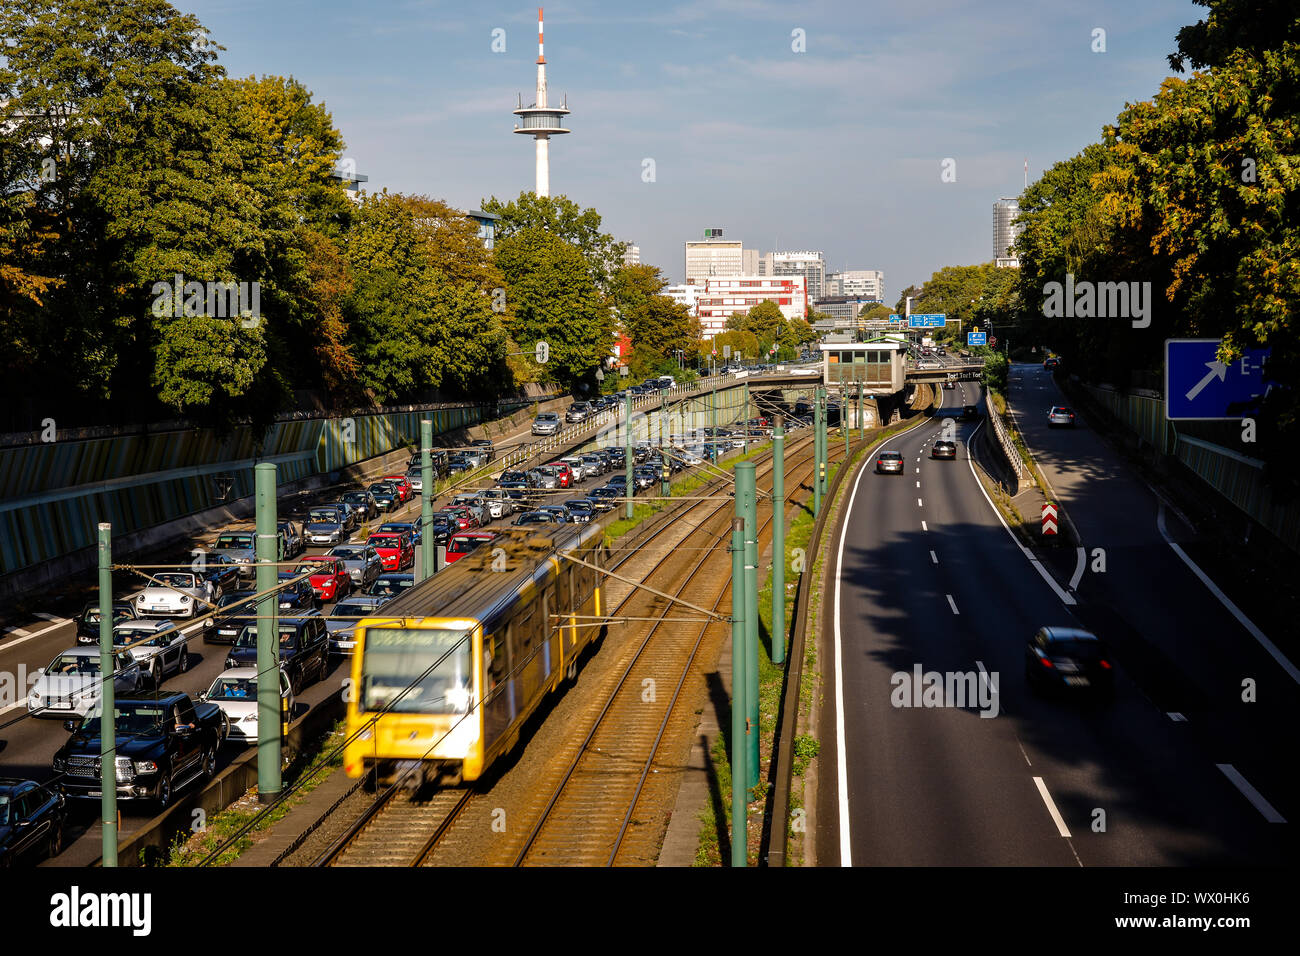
x=810, y=265
x=713, y=256
x=749, y=262
x=1005, y=231
x=857, y=283
x=632, y=257
x=723, y=297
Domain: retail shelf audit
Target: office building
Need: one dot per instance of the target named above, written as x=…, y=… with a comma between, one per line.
x=810, y=265
x=1005, y=231
x=723, y=297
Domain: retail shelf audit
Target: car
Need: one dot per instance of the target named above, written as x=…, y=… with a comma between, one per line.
x=329, y=578
x=238, y=546
x=437, y=458
x=1068, y=659
x=595, y=464
x=349, y=517
x=403, y=486
x=163, y=741
x=519, y=499
x=364, y=502
x=234, y=691
x=72, y=682
x=564, y=472
x=969, y=413
x=560, y=512
x=512, y=475
x=220, y=569
x=949, y=384
x=158, y=647
x=465, y=519
x=486, y=448
x=410, y=527
x=889, y=463
x=939, y=350
x=534, y=517
x=324, y=526
x=442, y=526
x=342, y=623
x=361, y=560
x=581, y=510
x=497, y=502
x=578, y=412
x=667, y=381
x=547, y=423
x=576, y=467
x=544, y=477
x=176, y=594
x=292, y=543
x=88, y=619
x=394, y=548
x=463, y=543
x=416, y=477
x=297, y=594
x=603, y=499
x=1051, y=363
x=390, y=585
x=476, y=505
x=459, y=464
x=385, y=496
x=944, y=448
x=1060, y=415
x=32, y=816
x=231, y=616
x=304, y=649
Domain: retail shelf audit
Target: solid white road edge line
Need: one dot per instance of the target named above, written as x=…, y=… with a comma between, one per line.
x=1061, y=828
x=1226, y=601
x=1051, y=581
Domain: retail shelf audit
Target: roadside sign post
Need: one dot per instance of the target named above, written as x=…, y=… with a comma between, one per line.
x=976, y=337
x=108, y=702
x=1200, y=387
x=428, y=559
x=1049, y=518
x=268, y=644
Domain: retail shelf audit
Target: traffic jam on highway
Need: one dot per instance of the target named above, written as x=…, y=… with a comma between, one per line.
x=185, y=643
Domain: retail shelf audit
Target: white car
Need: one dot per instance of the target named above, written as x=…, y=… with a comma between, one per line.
x=576, y=466
x=70, y=685
x=175, y=594
x=498, y=503
x=476, y=504
x=158, y=647
x=235, y=693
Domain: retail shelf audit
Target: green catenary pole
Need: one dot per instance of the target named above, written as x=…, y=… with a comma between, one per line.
x=428, y=548
x=739, y=774
x=844, y=420
x=817, y=453
x=108, y=701
x=826, y=438
x=778, y=541
x=268, y=647
x=746, y=492
x=628, y=458
x=664, y=431
x=862, y=414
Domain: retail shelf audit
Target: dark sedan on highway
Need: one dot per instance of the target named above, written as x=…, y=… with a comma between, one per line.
x=1068, y=659
x=944, y=449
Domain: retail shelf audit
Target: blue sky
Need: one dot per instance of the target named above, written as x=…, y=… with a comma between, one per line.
x=837, y=148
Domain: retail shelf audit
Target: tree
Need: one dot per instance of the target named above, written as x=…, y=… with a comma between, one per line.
x=565, y=220
x=556, y=301
x=1254, y=26
x=743, y=344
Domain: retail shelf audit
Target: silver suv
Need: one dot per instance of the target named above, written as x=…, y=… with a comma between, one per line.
x=547, y=423
x=578, y=412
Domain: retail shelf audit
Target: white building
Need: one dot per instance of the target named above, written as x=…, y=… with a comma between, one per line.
x=686, y=295
x=722, y=298
x=1005, y=231
x=713, y=256
x=857, y=284
x=632, y=257
x=810, y=265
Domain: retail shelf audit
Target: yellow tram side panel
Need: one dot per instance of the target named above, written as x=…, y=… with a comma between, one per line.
x=434, y=737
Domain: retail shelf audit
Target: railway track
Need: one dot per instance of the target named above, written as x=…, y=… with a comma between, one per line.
x=397, y=830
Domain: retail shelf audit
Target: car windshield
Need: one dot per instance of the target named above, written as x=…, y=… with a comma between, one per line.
x=346, y=552
x=381, y=489
x=136, y=721
x=384, y=541
x=72, y=664
x=891, y=455
x=248, y=638
x=234, y=541
x=533, y=517
x=389, y=586
x=311, y=567
x=174, y=580
x=392, y=528
x=325, y=517
x=463, y=545
x=233, y=688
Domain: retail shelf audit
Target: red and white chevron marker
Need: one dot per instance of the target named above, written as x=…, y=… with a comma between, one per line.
x=1049, y=518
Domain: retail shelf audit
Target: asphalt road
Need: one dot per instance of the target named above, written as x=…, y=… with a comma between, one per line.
x=929, y=577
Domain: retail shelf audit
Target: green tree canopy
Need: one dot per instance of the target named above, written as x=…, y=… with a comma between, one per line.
x=565, y=220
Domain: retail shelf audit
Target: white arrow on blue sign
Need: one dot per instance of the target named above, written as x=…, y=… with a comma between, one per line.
x=977, y=338
x=927, y=320
x=1199, y=387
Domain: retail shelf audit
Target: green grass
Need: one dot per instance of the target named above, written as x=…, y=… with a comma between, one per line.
x=193, y=849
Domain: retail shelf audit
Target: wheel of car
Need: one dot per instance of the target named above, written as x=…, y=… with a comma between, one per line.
x=165, y=792
x=209, y=764
x=56, y=841
x=184, y=663
x=295, y=683
x=155, y=673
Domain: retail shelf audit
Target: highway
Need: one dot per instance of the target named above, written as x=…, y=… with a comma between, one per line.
x=922, y=573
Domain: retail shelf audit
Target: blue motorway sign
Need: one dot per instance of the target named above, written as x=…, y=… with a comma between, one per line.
x=977, y=338
x=1198, y=387
x=930, y=321
x=896, y=319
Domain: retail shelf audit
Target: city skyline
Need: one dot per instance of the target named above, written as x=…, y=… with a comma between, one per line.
x=424, y=103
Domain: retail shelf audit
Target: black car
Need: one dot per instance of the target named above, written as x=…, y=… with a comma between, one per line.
x=390, y=585
x=31, y=821
x=342, y=624
x=364, y=502
x=304, y=648
x=297, y=596
x=221, y=569
x=1068, y=659
x=436, y=457
x=535, y=517
x=969, y=413
x=442, y=526
x=944, y=449
x=385, y=495
x=512, y=475
x=459, y=464
x=580, y=510
x=88, y=620
x=230, y=619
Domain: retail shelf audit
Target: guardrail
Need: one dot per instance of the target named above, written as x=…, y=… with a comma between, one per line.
x=1009, y=451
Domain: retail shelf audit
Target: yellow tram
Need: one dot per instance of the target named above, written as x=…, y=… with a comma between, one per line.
x=443, y=681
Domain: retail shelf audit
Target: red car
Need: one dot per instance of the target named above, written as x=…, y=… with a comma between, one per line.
x=465, y=542
x=465, y=519
x=403, y=485
x=329, y=578
x=565, y=472
x=395, y=549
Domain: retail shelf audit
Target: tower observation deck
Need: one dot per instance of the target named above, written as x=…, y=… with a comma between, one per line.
x=540, y=120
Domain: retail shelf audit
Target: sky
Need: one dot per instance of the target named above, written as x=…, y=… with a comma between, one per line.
x=820, y=125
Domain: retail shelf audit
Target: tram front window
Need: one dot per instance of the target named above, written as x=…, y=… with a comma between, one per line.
x=416, y=671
